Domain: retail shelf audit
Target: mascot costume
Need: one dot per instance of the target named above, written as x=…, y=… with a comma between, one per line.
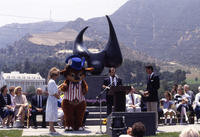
x=75, y=89
x=74, y=86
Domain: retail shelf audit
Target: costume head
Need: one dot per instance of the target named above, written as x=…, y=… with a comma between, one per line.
x=75, y=69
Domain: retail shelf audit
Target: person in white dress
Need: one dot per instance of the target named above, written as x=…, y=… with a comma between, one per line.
x=53, y=96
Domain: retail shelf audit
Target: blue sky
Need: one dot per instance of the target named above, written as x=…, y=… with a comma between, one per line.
x=25, y=11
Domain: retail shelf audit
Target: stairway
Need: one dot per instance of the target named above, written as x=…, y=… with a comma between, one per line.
x=93, y=118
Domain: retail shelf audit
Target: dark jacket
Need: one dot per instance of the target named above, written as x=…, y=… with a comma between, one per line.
x=34, y=102
x=153, y=84
x=3, y=103
x=106, y=81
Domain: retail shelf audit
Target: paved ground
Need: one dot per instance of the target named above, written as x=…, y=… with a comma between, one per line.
x=89, y=130
x=177, y=128
x=95, y=130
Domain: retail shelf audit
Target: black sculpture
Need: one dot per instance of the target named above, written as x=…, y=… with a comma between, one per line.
x=110, y=56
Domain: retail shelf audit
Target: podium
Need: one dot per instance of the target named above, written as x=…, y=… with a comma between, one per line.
x=119, y=97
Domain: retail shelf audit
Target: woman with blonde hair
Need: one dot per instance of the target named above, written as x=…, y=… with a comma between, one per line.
x=53, y=96
x=21, y=104
x=189, y=132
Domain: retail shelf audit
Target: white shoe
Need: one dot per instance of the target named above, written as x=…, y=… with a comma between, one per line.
x=81, y=128
x=186, y=119
x=68, y=128
x=53, y=133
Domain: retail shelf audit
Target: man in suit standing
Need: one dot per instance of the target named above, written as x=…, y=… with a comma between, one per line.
x=38, y=103
x=133, y=101
x=151, y=93
x=112, y=80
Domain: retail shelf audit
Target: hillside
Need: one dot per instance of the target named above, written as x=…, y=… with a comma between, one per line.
x=166, y=30
x=25, y=49
x=54, y=38
x=14, y=32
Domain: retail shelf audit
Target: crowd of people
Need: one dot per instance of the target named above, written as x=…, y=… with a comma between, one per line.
x=14, y=105
x=15, y=108
x=180, y=101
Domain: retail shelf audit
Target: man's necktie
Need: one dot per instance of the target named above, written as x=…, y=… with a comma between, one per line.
x=39, y=102
x=113, y=81
x=132, y=99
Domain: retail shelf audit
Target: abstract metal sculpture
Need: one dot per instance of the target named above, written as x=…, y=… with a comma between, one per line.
x=110, y=56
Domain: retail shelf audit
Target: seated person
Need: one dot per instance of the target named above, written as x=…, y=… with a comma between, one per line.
x=38, y=103
x=133, y=101
x=61, y=117
x=189, y=92
x=60, y=111
x=197, y=104
x=137, y=130
x=6, y=110
x=21, y=105
x=12, y=95
x=166, y=105
x=191, y=101
x=181, y=102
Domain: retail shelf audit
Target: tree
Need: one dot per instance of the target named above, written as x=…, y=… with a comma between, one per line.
x=30, y=90
x=27, y=66
x=179, y=76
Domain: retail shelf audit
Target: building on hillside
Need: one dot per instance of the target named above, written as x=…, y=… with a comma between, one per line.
x=26, y=81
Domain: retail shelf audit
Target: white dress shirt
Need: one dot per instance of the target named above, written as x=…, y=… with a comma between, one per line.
x=129, y=102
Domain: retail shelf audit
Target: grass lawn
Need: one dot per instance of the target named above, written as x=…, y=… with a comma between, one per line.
x=10, y=133
x=174, y=134
x=18, y=133
x=192, y=81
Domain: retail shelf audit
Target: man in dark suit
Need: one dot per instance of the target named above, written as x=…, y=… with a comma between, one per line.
x=151, y=93
x=38, y=103
x=112, y=80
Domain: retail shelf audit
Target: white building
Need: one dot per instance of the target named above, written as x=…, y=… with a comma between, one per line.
x=24, y=80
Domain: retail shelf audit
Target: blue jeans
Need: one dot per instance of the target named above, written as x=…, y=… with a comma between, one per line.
x=6, y=113
x=197, y=111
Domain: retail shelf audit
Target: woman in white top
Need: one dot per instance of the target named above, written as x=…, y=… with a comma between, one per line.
x=53, y=95
x=181, y=101
x=197, y=104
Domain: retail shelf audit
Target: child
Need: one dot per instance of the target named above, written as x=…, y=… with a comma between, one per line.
x=167, y=107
